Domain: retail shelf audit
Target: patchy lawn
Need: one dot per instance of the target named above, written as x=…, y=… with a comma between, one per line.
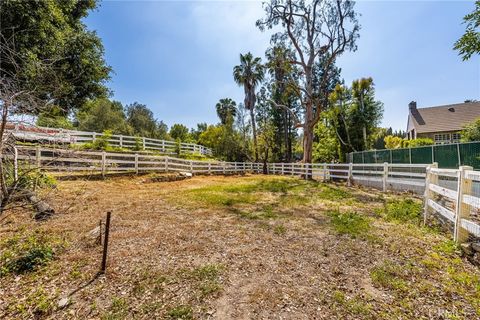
x=252, y=247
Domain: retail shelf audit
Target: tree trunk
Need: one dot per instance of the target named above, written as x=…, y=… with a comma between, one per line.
x=307, y=144
x=254, y=131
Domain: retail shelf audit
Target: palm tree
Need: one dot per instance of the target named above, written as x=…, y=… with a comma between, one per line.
x=249, y=74
x=226, y=108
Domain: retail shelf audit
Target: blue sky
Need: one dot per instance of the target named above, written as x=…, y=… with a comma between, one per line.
x=177, y=56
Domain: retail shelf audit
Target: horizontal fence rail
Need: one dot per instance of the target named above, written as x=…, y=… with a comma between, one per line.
x=452, y=195
x=63, y=136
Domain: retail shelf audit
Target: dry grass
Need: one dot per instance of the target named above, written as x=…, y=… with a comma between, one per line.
x=249, y=247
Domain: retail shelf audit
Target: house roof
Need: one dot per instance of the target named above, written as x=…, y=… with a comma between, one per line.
x=451, y=117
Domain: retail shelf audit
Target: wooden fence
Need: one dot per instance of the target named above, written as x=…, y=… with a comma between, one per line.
x=63, y=136
x=451, y=194
x=454, y=196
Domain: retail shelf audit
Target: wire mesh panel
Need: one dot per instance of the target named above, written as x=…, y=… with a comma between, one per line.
x=369, y=157
x=383, y=156
x=446, y=155
x=369, y=175
x=441, y=198
x=421, y=155
x=470, y=154
x=357, y=157
x=409, y=177
x=470, y=214
x=400, y=156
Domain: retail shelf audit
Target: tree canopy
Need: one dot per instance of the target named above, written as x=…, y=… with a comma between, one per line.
x=53, y=32
x=469, y=43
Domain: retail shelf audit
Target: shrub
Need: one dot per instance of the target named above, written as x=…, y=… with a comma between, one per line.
x=350, y=223
x=405, y=210
x=21, y=254
x=102, y=142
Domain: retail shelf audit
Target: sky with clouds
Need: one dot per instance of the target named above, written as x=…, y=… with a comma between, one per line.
x=177, y=56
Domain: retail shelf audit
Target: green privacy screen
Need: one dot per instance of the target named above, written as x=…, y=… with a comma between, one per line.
x=447, y=155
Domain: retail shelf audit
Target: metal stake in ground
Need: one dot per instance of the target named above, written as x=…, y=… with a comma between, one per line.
x=105, y=243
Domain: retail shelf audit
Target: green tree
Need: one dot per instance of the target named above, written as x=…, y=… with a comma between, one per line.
x=102, y=114
x=195, y=133
x=471, y=132
x=327, y=147
x=249, y=73
x=179, y=132
x=354, y=115
x=282, y=75
x=319, y=32
x=226, y=108
x=54, y=117
x=53, y=31
x=469, y=43
x=224, y=141
x=141, y=119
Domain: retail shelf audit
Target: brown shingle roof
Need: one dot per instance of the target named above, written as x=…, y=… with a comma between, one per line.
x=452, y=117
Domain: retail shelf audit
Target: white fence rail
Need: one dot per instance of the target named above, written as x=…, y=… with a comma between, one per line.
x=63, y=136
x=452, y=195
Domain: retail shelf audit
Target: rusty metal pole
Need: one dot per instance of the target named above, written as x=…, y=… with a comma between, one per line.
x=105, y=243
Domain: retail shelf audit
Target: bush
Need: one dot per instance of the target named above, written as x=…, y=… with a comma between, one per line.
x=102, y=142
x=350, y=223
x=25, y=253
x=405, y=210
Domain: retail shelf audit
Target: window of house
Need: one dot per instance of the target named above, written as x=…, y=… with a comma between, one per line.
x=456, y=137
x=441, y=138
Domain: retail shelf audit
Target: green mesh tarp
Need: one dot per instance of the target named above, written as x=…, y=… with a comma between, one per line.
x=400, y=156
x=422, y=155
x=383, y=156
x=446, y=155
x=369, y=157
x=357, y=157
x=470, y=154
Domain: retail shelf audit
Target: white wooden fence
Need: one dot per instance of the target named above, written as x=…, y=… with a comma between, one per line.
x=63, y=136
x=451, y=195
x=454, y=196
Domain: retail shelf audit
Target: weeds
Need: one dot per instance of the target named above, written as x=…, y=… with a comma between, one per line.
x=181, y=313
x=389, y=275
x=350, y=223
x=118, y=310
x=25, y=253
x=404, y=210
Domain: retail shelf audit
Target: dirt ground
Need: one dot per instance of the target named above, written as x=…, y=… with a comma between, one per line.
x=251, y=247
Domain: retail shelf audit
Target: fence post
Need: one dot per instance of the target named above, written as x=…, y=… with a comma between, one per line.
x=104, y=163
x=15, y=163
x=191, y=167
x=103, y=267
x=430, y=178
x=462, y=209
x=143, y=143
x=166, y=164
x=209, y=168
x=350, y=175
x=283, y=168
x=385, y=176
x=38, y=156
x=121, y=141
x=136, y=163
x=324, y=172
